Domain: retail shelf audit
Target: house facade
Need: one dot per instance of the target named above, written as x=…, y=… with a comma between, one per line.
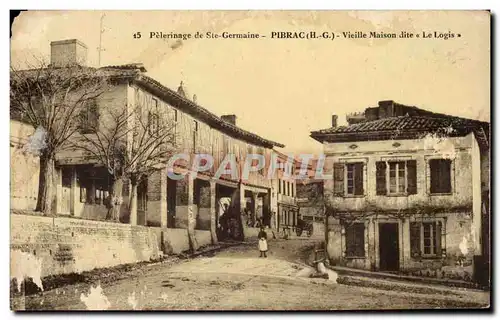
x=405, y=191
x=83, y=185
x=286, y=191
x=310, y=193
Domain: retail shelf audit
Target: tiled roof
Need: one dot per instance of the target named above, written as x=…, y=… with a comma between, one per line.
x=425, y=123
x=199, y=112
x=192, y=108
x=401, y=127
x=135, y=72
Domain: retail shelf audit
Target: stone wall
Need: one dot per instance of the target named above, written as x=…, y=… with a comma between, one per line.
x=24, y=168
x=65, y=245
x=175, y=240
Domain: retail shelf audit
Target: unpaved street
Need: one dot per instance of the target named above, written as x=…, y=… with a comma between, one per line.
x=237, y=278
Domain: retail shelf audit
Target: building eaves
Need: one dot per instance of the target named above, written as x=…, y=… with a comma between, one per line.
x=134, y=72
x=201, y=113
x=404, y=127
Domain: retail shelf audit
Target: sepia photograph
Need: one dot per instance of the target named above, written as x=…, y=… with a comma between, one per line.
x=250, y=160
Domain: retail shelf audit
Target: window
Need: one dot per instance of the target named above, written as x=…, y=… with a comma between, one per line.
x=279, y=186
x=401, y=178
x=440, y=175
x=348, y=179
x=153, y=123
x=355, y=240
x=89, y=117
x=425, y=239
x=175, y=115
x=397, y=177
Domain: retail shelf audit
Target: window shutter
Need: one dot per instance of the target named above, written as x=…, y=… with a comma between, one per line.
x=358, y=179
x=437, y=236
x=338, y=179
x=381, y=178
x=415, y=239
x=411, y=167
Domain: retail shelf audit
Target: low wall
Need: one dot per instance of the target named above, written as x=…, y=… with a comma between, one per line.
x=176, y=239
x=64, y=245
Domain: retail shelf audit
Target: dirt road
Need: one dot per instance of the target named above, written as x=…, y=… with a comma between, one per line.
x=237, y=279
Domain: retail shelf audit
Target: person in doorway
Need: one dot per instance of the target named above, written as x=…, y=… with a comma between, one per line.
x=262, y=242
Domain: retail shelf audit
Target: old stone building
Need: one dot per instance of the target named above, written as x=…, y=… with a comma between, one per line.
x=286, y=200
x=407, y=191
x=310, y=193
x=83, y=184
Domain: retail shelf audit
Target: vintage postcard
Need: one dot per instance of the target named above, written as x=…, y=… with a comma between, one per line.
x=250, y=160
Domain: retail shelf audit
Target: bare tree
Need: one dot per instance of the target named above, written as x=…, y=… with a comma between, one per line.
x=132, y=143
x=49, y=99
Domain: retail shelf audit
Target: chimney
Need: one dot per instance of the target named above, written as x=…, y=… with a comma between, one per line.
x=371, y=113
x=386, y=109
x=195, y=98
x=231, y=118
x=66, y=53
x=334, y=121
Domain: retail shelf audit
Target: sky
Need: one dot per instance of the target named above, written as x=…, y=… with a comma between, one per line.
x=282, y=89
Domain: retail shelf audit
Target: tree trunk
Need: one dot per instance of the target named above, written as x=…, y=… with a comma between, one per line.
x=115, y=200
x=45, y=184
x=133, y=203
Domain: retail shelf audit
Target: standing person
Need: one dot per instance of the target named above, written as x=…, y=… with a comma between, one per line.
x=262, y=242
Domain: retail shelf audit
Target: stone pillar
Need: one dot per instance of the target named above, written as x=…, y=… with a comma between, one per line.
x=74, y=193
x=371, y=243
x=191, y=215
x=254, y=207
x=213, y=212
x=163, y=198
x=266, y=205
x=241, y=206
x=377, y=244
x=133, y=205
x=405, y=247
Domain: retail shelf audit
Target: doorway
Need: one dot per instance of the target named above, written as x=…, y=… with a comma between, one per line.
x=389, y=246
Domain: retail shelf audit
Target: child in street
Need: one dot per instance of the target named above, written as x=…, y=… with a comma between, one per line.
x=262, y=242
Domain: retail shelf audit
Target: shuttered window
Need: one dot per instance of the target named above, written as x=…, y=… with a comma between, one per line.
x=425, y=239
x=355, y=240
x=89, y=117
x=440, y=175
x=348, y=179
x=381, y=177
x=396, y=177
x=338, y=179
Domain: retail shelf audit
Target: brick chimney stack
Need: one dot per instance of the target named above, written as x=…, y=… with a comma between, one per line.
x=386, y=109
x=334, y=121
x=66, y=53
x=231, y=118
